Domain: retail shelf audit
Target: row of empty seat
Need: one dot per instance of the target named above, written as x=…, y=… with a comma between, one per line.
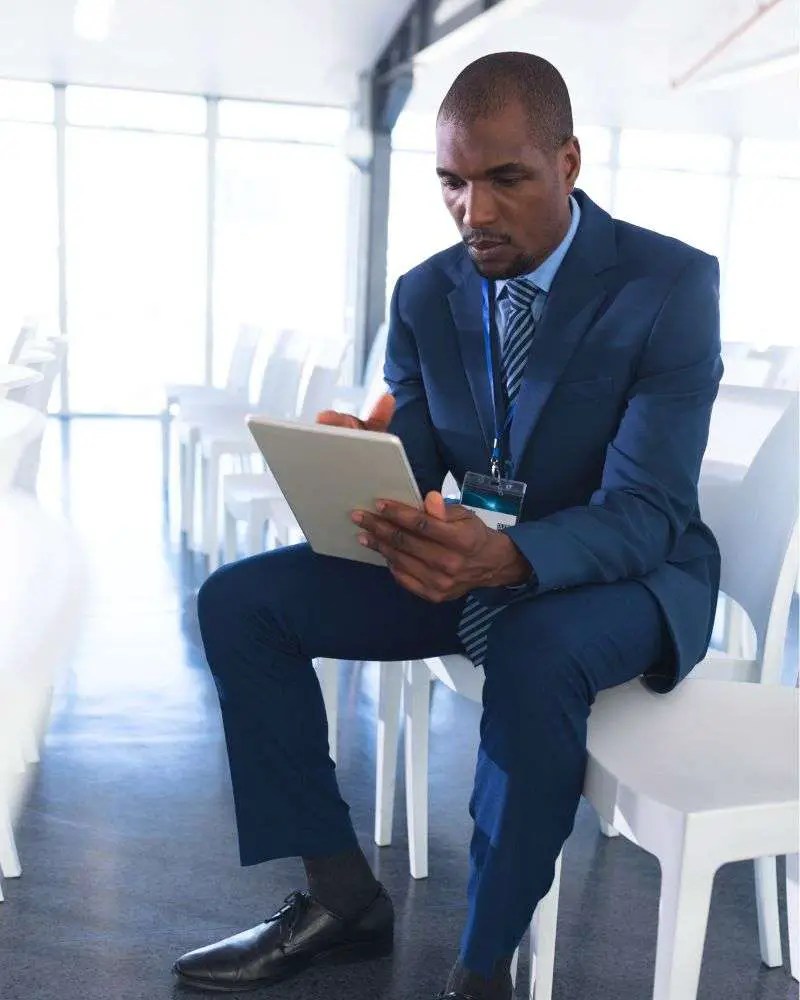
x=42, y=578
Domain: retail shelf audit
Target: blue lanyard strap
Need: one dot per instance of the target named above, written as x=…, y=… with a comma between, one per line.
x=488, y=296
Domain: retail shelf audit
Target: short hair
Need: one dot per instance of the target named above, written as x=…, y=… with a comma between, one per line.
x=487, y=85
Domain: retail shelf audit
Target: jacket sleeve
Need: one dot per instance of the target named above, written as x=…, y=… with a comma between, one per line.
x=412, y=419
x=648, y=492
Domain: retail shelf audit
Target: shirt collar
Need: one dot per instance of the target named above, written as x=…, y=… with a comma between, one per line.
x=544, y=274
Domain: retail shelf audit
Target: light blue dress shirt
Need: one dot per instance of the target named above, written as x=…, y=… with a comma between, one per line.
x=542, y=276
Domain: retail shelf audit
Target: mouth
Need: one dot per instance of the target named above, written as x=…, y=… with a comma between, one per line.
x=487, y=249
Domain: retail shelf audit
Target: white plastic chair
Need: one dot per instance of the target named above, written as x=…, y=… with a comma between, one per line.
x=236, y=388
x=701, y=777
x=20, y=428
x=196, y=410
x=37, y=396
x=757, y=522
x=279, y=380
x=224, y=433
x=42, y=579
x=248, y=496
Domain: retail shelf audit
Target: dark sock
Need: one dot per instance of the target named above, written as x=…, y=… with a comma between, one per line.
x=499, y=987
x=342, y=883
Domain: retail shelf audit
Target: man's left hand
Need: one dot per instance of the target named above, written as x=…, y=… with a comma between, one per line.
x=442, y=551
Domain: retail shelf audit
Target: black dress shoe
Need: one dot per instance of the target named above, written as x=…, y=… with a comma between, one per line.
x=302, y=932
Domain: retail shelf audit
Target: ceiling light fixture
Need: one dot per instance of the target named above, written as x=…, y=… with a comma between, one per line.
x=92, y=19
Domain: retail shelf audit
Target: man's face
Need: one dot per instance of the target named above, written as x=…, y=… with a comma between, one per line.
x=508, y=197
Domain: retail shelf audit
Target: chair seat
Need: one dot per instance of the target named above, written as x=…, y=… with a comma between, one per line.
x=459, y=674
x=693, y=750
x=245, y=486
x=19, y=426
x=199, y=395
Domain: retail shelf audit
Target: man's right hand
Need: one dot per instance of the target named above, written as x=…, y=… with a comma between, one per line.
x=378, y=420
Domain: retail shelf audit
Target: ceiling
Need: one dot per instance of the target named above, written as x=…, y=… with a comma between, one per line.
x=295, y=50
x=618, y=56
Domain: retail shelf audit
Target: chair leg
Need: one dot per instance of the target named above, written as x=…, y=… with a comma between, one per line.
x=255, y=535
x=231, y=542
x=543, y=940
x=769, y=921
x=417, y=726
x=686, y=884
x=390, y=687
x=793, y=908
x=328, y=673
x=9, y=858
x=608, y=830
x=166, y=427
x=210, y=469
x=186, y=484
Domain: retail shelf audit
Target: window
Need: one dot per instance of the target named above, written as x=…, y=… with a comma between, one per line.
x=674, y=151
x=677, y=185
x=769, y=158
x=26, y=102
x=281, y=236
x=419, y=223
x=136, y=109
x=28, y=227
x=760, y=296
x=136, y=267
x=282, y=122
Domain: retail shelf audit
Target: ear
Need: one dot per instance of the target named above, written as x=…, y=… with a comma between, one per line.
x=570, y=157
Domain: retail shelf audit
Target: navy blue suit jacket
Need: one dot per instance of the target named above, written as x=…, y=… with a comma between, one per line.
x=611, y=421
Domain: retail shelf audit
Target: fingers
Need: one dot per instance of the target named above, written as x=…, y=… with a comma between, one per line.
x=382, y=413
x=392, y=541
x=332, y=418
x=435, y=506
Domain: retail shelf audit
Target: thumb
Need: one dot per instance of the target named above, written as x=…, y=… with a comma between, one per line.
x=382, y=413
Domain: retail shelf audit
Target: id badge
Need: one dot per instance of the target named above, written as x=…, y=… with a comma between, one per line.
x=497, y=502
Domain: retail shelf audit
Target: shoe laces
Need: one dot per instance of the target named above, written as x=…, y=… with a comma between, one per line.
x=293, y=908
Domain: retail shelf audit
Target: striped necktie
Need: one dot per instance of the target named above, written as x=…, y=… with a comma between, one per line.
x=473, y=629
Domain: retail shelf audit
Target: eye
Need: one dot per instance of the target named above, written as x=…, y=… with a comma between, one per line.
x=507, y=182
x=451, y=183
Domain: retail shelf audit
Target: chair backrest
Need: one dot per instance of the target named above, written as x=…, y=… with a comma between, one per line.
x=755, y=522
x=27, y=332
x=377, y=355
x=280, y=387
x=21, y=427
x=38, y=394
x=373, y=390
x=42, y=598
x=243, y=358
x=319, y=393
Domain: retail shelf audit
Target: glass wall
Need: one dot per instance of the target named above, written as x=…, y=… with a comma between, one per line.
x=28, y=208
x=136, y=248
x=142, y=173
x=280, y=222
x=722, y=196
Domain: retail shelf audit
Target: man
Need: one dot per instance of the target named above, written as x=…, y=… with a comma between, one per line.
x=572, y=353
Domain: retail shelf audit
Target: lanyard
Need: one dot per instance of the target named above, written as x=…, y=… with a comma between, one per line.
x=489, y=340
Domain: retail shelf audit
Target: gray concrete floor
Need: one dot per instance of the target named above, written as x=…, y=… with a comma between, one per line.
x=128, y=842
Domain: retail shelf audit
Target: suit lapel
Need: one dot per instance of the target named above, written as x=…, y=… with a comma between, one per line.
x=573, y=301
x=465, y=305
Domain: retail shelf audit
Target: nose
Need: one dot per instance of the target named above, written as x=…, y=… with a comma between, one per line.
x=480, y=211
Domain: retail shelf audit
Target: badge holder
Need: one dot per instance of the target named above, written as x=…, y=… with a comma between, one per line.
x=497, y=502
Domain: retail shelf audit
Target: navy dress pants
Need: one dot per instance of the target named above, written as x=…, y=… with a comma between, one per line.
x=264, y=619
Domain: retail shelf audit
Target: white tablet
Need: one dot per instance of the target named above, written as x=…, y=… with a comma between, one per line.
x=326, y=473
